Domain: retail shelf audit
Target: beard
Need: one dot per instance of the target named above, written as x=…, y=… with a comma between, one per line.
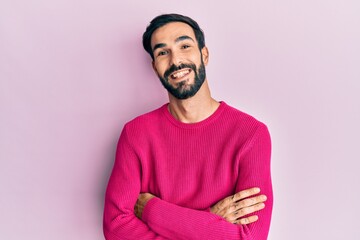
x=183, y=90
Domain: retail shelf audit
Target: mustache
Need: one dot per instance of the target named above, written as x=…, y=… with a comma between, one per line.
x=173, y=68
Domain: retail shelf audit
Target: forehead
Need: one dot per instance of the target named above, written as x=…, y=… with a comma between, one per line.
x=170, y=32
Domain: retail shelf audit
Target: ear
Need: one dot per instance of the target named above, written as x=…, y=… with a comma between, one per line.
x=205, y=55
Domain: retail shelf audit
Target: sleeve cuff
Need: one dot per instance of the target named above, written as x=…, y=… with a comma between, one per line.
x=147, y=209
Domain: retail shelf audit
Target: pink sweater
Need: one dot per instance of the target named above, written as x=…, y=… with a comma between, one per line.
x=189, y=167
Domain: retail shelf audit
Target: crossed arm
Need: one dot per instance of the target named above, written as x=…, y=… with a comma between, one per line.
x=233, y=209
x=169, y=221
x=227, y=219
x=154, y=218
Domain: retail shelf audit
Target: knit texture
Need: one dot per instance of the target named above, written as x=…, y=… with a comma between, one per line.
x=189, y=167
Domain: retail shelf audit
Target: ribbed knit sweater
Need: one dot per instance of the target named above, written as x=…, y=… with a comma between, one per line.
x=189, y=168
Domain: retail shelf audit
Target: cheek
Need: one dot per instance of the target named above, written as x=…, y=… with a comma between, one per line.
x=160, y=72
x=196, y=60
x=160, y=69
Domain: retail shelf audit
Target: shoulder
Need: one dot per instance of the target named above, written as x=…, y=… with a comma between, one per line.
x=248, y=129
x=241, y=119
x=145, y=120
x=243, y=126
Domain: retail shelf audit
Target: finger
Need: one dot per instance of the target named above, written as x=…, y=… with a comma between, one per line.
x=221, y=207
x=232, y=216
x=230, y=211
x=136, y=210
x=235, y=207
x=245, y=193
x=224, y=204
x=248, y=210
x=250, y=201
x=227, y=206
x=247, y=220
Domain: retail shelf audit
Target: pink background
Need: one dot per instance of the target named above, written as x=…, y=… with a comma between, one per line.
x=72, y=72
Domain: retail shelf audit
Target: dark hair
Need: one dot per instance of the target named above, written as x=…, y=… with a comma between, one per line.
x=161, y=20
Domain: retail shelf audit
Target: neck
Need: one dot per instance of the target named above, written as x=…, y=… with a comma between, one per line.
x=194, y=109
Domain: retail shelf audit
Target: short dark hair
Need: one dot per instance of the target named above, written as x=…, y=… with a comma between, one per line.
x=161, y=20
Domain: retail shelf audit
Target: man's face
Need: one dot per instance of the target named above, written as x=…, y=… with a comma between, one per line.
x=178, y=61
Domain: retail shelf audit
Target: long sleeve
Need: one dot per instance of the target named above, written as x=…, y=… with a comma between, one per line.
x=189, y=167
x=177, y=222
x=254, y=171
x=122, y=192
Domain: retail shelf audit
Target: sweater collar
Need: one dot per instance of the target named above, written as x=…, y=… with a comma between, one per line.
x=202, y=123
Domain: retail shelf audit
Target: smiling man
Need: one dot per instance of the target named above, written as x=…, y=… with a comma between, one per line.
x=185, y=77
x=195, y=167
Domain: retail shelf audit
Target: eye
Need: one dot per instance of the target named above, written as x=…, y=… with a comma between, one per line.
x=185, y=46
x=161, y=53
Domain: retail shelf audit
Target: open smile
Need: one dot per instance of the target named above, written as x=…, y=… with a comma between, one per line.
x=180, y=74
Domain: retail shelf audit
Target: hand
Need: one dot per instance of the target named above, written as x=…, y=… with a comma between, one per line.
x=141, y=202
x=234, y=207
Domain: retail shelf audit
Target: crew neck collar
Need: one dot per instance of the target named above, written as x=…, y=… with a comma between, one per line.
x=201, y=123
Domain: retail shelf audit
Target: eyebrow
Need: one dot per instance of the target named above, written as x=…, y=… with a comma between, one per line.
x=159, y=45
x=181, y=38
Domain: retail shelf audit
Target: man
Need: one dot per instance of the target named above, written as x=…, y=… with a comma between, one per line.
x=193, y=168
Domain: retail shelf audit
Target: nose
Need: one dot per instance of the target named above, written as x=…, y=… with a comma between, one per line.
x=175, y=59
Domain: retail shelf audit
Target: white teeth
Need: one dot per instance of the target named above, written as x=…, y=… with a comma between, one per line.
x=180, y=74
